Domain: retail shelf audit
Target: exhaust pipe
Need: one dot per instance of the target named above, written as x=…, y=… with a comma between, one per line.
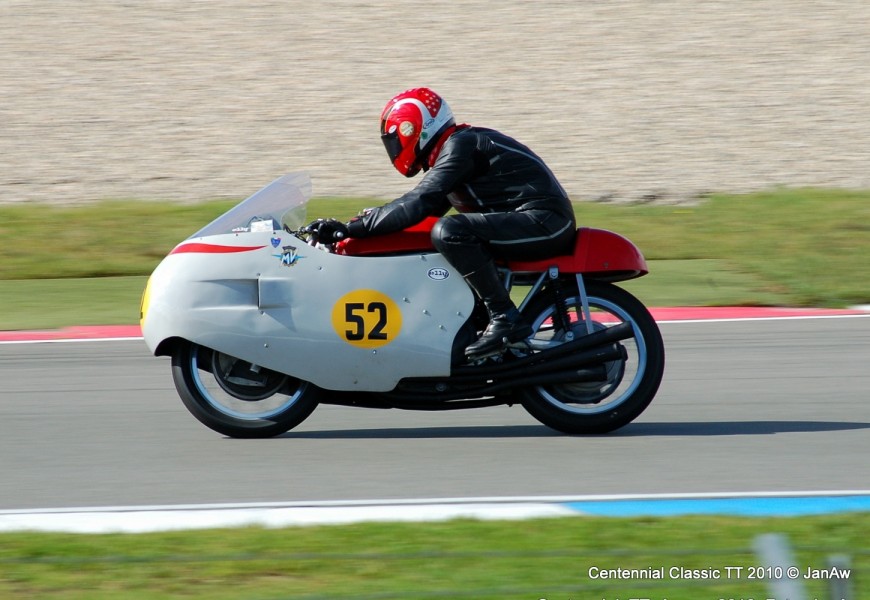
x=573, y=362
x=609, y=335
x=441, y=400
x=515, y=371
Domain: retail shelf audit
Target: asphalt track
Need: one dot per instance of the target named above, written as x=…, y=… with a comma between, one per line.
x=746, y=406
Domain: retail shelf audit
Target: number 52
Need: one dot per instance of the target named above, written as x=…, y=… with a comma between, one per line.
x=355, y=312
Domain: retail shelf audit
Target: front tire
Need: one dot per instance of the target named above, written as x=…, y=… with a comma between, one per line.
x=236, y=398
x=630, y=385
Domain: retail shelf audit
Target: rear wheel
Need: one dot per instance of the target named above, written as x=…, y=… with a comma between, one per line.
x=236, y=398
x=630, y=384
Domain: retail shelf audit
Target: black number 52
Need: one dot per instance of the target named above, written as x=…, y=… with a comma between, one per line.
x=354, y=314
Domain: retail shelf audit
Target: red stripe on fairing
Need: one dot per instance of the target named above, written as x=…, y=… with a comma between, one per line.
x=200, y=248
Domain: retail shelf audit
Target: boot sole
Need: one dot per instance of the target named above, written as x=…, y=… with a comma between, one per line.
x=517, y=336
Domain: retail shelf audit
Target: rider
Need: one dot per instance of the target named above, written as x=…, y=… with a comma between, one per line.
x=510, y=204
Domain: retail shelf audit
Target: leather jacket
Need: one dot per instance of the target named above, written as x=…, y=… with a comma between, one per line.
x=477, y=170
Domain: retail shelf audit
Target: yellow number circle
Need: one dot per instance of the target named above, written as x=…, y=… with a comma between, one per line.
x=366, y=319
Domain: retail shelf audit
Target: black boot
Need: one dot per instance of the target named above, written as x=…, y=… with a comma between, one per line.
x=506, y=324
x=502, y=330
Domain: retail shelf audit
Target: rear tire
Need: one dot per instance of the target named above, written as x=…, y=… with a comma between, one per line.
x=598, y=407
x=241, y=401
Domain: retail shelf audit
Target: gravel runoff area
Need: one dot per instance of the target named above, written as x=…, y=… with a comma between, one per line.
x=627, y=100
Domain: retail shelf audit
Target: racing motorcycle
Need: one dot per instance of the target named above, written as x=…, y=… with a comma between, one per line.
x=263, y=323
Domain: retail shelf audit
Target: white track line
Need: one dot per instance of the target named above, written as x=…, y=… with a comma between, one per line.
x=72, y=340
x=140, y=519
x=777, y=318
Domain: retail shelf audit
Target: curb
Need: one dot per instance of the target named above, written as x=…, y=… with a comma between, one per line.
x=142, y=519
x=75, y=333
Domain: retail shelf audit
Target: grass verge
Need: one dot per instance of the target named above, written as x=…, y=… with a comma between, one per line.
x=544, y=558
x=781, y=247
x=56, y=303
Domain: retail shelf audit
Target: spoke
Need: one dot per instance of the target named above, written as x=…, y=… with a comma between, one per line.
x=623, y=376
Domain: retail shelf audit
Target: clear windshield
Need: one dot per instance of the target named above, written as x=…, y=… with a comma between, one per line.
x=279, y=205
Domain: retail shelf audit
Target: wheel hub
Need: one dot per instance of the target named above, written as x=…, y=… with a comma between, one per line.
x=590, y=392
x=244, y=380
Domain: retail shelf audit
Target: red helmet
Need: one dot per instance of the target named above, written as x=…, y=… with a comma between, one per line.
x=411, y=125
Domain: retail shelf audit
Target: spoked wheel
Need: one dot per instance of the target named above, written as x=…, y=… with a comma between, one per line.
x=236, y=398
x=629, y=385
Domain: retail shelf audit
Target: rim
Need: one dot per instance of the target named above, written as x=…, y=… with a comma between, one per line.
x=265, y=394
x=623, y=377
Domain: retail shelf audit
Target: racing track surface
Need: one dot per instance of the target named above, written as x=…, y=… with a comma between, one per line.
x=761, y=405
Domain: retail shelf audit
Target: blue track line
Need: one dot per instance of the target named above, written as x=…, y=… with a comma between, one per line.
x=753, y=507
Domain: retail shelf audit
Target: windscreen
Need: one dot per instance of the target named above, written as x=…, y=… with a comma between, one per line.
x=280, y=204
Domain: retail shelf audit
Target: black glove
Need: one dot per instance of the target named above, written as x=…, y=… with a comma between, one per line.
x=327, y=231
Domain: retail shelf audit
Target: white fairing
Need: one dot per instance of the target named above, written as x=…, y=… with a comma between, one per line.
x=340, y=322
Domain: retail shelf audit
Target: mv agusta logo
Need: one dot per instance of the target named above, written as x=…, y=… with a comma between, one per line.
x=289, y=256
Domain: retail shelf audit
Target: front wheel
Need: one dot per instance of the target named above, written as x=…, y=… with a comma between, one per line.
x=629, y=385
x=236, y=398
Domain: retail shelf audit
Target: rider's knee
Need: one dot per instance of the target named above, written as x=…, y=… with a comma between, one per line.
x=453, y=230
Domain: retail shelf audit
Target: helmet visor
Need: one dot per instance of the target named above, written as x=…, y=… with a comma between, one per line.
x=392, y=144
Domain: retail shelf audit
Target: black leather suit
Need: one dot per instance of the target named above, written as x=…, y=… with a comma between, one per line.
x=510, y=203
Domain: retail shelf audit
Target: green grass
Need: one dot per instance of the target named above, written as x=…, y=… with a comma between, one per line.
x=56, y=303
x=107, y=239
x=785, y=247
x=805, y=247
x=544, y=558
